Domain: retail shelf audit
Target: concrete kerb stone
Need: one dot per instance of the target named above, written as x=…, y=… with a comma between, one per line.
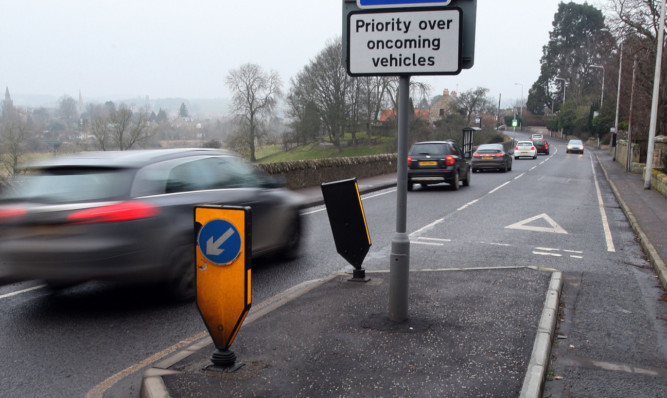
x=654, y=256
x=153, y=385
x=533, y=382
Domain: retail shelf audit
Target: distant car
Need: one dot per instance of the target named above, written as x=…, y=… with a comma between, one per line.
x=491, y=156
x=541, y=145
x=575, y=146
x=501, y=127
x=129, y=216
x=534, y=137
x=525, y=149
x=435, y=162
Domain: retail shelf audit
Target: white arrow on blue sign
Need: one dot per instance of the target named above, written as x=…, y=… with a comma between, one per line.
x=400, y=3
x=219, y=242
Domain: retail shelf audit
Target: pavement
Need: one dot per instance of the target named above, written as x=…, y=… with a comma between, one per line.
x=470, y=332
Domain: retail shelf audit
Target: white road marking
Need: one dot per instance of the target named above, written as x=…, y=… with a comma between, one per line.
x=555, y=228
x=603, y=214
x=434, y=239
x=548, y=254
x=497, y=188
x=369, y=196
x=16, y=293
x=519, y=176
x=467, y=204
x=420, y=242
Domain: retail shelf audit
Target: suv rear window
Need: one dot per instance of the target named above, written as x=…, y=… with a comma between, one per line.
x=433, y=149
x=70, y=184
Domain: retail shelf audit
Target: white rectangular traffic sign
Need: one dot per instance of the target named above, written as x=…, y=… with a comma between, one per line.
x=400, y=3
x=415, y=42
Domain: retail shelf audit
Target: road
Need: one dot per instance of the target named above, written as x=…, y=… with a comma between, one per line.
x=556, y=212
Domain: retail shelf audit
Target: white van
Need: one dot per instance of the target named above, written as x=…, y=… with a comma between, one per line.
x=536, y=137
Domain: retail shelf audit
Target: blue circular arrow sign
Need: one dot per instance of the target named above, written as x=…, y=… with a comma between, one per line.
x=219, y=242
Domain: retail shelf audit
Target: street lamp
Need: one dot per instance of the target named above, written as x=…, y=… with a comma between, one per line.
x=602, y=93
x=521, y=108
x=601, y=97
x=565, y=81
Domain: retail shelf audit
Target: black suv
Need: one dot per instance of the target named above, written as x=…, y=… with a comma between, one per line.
x=434, y=162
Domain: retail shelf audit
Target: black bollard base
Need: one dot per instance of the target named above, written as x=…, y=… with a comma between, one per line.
x=224, y=361
x=359, y=275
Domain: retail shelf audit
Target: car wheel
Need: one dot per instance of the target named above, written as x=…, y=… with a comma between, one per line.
x=456, y=182
x=410, y=186
x=181, y=283
x=504, y=169
x=466, y=181
x=516, y=158
x=291, y=249
x=547, y=153
x=510, y=168
x=535, y=157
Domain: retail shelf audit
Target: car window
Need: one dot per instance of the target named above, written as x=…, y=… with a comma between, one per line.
x=214, y=172
x=489, y=148
x=70, y=184
x=433, y=149
x=524, y=143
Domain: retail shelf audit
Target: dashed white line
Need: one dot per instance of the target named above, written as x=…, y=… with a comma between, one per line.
x=467, y=204
x=16, y=293
x=497, y=188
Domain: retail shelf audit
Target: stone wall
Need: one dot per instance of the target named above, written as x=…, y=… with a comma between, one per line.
x=308, y=173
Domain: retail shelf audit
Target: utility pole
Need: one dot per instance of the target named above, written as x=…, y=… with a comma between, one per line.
x=654, y=103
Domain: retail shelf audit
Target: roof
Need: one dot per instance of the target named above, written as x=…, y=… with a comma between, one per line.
x=129, y=159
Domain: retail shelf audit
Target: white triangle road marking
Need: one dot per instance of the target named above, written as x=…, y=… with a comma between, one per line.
x=555, y=228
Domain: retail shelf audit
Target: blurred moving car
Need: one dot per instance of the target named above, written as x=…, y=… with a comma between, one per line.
x=541, y=145
x=491, y=156
x=129, y=215
x=525, y=149
x=534, y=137
x=575, y=146
x=435, y=162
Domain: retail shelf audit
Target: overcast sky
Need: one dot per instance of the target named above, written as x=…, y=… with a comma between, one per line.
x=175, y=48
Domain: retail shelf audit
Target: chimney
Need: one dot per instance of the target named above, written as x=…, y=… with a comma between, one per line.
x=446, y=92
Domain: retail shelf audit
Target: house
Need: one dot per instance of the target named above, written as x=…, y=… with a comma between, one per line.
x=443, y=106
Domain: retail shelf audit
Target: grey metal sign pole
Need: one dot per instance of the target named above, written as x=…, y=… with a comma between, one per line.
x=399, y=267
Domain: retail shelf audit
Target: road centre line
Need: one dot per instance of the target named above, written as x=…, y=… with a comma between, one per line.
x=603, y=214
x=467, y=204
x=420, y=242
x=497, y=188
x=369, y=196
x=519, y=176
x=16, y=293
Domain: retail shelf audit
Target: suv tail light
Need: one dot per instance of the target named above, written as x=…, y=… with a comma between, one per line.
x=124, y=211
x=449, y=160
x=500, y=154
x=11, y=214
x=409, y=161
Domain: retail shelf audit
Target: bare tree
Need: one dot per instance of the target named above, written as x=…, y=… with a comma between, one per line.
x=15, y=137
x=473, y=101
x=67, y=110
x=118, y=127
x=254, y=95
x=129, y=128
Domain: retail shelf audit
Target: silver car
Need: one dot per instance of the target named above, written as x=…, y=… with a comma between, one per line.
x=575, y=146
x=129, y=215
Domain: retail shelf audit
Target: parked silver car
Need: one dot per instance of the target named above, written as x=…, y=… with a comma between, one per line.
x=129, y=215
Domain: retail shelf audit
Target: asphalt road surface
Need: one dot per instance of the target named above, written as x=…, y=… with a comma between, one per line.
x=556, y=211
